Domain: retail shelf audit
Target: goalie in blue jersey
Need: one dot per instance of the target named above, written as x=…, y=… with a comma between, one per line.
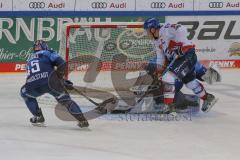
x=42, y=64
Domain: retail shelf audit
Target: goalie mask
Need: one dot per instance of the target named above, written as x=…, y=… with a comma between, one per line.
x=40, y=45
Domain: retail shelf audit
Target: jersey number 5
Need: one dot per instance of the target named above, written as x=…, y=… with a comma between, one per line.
x=34, y=67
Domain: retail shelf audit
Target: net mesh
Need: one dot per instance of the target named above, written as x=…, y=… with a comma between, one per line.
x=107, y=47
x=104, y=43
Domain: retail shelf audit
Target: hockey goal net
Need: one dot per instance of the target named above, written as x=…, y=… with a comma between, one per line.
x=105, y=55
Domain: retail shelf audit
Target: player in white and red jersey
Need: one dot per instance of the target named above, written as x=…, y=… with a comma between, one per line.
x=176, y=59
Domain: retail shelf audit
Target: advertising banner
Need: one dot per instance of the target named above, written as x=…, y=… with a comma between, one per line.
x=17, y=35
x=214, y=5
x=43, y=5
x=105, y=5
x=164, y=5
x=215, y=37
x=119, y=5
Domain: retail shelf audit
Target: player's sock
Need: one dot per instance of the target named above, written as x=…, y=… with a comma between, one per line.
x=168, y=89
x=197, y=88
x=208, y=99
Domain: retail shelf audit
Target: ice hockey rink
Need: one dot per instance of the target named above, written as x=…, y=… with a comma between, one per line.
x=211, y=136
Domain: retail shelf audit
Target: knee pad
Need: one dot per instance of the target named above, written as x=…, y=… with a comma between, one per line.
x=24, y=94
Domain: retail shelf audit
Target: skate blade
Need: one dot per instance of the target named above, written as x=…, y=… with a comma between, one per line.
x=80, y=126
x=174, y=114
x=39, y=124
x=84, y=124
x=84, y=128
x=212, y=104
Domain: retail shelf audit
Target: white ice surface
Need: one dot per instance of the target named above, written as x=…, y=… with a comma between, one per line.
x=211, y=136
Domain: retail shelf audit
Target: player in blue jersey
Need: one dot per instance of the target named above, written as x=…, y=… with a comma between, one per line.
x=42, y=64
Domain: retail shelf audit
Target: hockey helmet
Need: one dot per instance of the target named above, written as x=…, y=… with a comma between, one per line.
x=151, y=23
x=40, y=45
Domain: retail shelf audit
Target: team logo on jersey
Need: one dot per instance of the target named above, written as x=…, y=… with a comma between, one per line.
x=36, y=5
x=215, y=4
x=99, y=5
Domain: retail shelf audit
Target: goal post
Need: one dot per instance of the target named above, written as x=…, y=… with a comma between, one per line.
x=104, y=46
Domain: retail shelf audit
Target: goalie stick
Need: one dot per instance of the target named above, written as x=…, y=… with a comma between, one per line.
x=100, y=106
x=68, y=85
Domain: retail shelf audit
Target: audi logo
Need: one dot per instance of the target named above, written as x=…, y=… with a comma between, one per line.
x=158, y=5
x=36, y=5
x=215, y=4
x=99, y=5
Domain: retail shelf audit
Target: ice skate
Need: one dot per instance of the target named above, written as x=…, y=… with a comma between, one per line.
x=82, y=121
x=209, y=102
x=38, y=120
x=165, y=109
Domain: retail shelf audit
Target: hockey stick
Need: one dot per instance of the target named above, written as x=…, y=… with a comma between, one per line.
x=164, y=72
x=147, y=92
x=100, y=106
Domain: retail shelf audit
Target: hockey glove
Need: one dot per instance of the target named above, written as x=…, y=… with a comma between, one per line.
x=68, y=84
x=61, y=71
x=178, y=51
x=151, y=68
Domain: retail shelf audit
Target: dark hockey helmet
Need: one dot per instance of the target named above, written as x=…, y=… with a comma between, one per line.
x=40, y=45
x=151, y=23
